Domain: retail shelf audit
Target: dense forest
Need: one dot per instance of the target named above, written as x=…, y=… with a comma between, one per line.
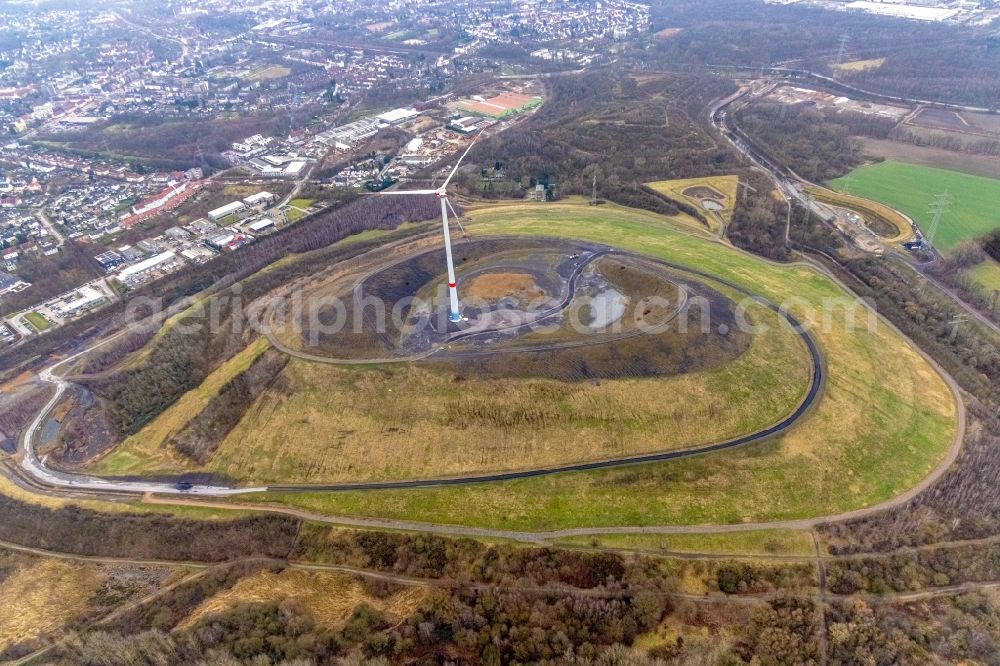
x=179, y=361
x=626, y=130
x=952, y=270
x=504, y=604
x=924, y=60
x=166, y=143
x=508, y=605
x=761, y=226
x=991, y=245
x=792, y=630
x=816, y=145
x=914, y=569
x=16, y=411
x=86, y=532
x=50, y=276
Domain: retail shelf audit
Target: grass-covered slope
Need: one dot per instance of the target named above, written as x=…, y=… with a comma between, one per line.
x=328, y=423
x=885, y=420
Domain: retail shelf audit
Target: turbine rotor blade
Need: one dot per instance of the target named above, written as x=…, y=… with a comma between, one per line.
x=459, y=163
x=455, y=215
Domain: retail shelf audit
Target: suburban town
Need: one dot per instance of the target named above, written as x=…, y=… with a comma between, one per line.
x=138, y=221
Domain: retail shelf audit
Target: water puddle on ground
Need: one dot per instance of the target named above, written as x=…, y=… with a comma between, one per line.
x=607, y=307
x=49, y=432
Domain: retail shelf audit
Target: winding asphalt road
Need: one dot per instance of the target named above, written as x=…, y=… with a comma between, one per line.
x=817, y=373
x=59, y=482
x=36, y=468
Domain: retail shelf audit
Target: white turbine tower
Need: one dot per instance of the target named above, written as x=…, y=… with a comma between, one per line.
x=442, y=194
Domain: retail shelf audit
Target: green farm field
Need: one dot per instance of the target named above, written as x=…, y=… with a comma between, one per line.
x=297, y=209
x=267, y=73
x=885, y=420
x=912, y=189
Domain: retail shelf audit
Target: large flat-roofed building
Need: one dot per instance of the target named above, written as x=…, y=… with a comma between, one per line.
x=470, y=124
x=349, y=134
x=397, y=116
x=11, y=283
x=85, y=297
x=416, y=160
x=260, y=225
x=259, y=200
x=227, y=210
x=220, y=241
x=109, y=260
x=136, y=271
x=177, y=234
x=293, y=169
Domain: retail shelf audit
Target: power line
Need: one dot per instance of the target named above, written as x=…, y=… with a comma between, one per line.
x=938, y=209
x=844, y=39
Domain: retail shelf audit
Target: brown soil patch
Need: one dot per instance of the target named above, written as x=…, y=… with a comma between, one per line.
x=17, y=382
x=494, y=286
x=667, y=33
x=510, y=100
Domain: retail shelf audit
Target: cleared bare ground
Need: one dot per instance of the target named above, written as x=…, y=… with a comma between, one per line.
x=494, y=286
x=977, y=165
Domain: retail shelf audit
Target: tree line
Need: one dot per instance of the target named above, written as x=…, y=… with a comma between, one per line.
x=817, y=145
x=202, y=435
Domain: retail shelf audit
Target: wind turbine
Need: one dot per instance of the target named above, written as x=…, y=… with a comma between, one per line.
x=442, y=194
